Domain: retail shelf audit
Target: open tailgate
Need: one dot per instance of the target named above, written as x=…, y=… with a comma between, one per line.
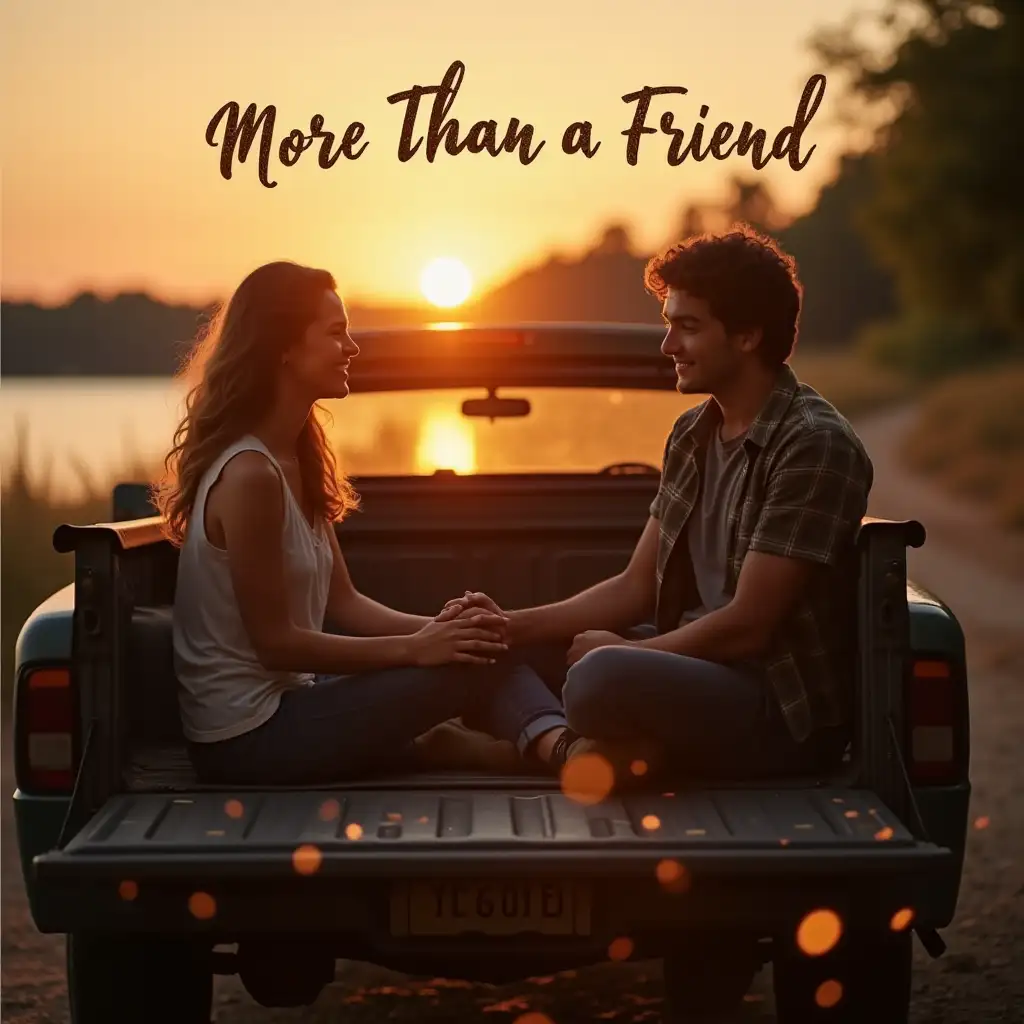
x=356, y=859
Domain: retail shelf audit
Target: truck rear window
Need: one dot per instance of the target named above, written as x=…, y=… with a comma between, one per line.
x=567, y=430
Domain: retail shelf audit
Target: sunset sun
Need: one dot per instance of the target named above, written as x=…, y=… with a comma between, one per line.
x=446, y=282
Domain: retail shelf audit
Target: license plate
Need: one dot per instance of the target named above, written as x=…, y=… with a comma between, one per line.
x=490, y=908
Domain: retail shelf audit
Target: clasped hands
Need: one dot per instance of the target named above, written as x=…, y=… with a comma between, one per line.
x=497, y=622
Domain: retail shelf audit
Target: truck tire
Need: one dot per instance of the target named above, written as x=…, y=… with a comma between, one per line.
x=137, y=979
x=865, y=978
x=707, y=976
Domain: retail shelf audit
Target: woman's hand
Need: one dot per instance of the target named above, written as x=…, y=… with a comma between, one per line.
x=471, y=639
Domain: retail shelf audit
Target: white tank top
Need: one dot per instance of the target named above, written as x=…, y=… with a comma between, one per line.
x=224, y=691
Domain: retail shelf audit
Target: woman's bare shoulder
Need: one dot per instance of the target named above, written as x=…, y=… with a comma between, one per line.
x=250, y=474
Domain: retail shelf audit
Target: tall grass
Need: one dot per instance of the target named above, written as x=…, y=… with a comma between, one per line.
x=30, y=569
x=969, y=435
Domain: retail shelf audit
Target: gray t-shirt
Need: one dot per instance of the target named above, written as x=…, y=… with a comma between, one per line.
x=707, y=531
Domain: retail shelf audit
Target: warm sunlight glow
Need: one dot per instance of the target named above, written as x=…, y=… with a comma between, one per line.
x=329, y=810
x=307, y=859
x=587, y=779
x=818, y=932
x=446, y=282
x=202, y=906
x=672, y=875
x=446, y=442
x=901, y=919
x=828, y=994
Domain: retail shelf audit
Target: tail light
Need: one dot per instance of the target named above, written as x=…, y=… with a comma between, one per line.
x=933, y=725
x=46, y=726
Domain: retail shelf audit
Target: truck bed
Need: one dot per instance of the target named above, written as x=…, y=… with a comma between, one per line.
x=146, y=847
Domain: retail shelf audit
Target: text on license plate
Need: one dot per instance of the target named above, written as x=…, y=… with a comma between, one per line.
x=457, y=907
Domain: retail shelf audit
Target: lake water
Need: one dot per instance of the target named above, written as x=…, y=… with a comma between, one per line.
x=74, y=430
x=79, y=433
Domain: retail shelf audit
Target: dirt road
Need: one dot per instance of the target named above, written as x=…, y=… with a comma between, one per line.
x=979, y=570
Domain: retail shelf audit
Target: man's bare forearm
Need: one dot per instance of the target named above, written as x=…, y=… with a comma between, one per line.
x=613, y=604
x=723, y=636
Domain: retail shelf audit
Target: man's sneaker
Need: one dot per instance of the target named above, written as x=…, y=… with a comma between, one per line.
x=606, y=765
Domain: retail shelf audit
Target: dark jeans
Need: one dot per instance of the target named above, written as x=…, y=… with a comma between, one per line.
x=716, y=722
x=349, y=725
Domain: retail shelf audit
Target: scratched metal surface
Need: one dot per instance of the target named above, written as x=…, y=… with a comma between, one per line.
x=250, y=821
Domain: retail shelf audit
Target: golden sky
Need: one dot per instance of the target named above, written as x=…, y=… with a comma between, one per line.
x=108, y=182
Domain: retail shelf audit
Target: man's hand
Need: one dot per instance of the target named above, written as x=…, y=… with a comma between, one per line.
x=472, y=603
x=589, y=641
x=473, y=600
x=479, y=600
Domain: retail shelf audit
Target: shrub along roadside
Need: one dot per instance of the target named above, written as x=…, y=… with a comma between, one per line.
x=969, y=435
x=853, y=384
x=929, y=346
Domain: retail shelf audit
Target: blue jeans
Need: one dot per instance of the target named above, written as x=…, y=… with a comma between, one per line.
x=349, y=725
x=715, y=721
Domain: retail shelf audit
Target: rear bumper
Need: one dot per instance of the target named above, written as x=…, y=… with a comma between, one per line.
x=945, y=811
x=38, y=821
x=763, y=893
x=499, y=863
x=754, y=860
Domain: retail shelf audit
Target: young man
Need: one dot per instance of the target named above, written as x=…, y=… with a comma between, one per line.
x=748, y=558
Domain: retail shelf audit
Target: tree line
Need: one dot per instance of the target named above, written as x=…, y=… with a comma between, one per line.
x=915, y=251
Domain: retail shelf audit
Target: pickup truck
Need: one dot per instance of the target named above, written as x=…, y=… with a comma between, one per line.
x=159, y=882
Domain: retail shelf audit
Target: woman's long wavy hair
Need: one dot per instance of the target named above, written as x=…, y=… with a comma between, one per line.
x=234, y=367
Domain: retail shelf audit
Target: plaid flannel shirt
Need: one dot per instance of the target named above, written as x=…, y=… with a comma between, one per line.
x=803, y=493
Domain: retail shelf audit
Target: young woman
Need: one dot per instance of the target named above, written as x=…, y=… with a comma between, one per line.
x=250, y=495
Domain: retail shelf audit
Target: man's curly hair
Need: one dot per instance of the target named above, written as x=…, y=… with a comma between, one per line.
x=746, y=280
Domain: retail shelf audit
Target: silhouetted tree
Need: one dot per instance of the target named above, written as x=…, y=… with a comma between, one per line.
x=752, y=203
x=615, y=241
x=692, y=221
x=946, y=213
x=845, y=288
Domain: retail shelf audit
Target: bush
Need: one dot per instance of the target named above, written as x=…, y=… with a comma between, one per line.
x=928, y=346
x=850, y=382
x=970, y=436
